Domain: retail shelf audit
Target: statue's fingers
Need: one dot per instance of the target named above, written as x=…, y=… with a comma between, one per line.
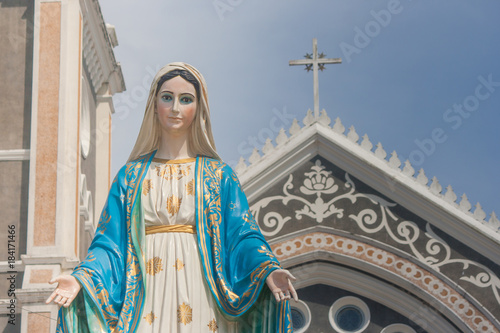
x=70, y=299
x=294, y=295
x=58, y=299
x=276, y=296
x=293, y=291
x=51, y=297
x=290, y=276
x=62, y=301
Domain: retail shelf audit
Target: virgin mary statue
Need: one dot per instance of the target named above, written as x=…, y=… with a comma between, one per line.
x=176, y=248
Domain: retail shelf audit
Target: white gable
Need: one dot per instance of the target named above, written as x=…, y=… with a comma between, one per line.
x=388, y=176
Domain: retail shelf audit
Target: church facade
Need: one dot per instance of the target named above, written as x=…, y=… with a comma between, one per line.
x=375, y=245
x=58, y=73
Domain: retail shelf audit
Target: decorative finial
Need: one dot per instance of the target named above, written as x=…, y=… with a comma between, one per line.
x=315, y=62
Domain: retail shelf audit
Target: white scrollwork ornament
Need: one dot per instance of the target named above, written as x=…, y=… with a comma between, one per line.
x=275, y=221
x=435, y=254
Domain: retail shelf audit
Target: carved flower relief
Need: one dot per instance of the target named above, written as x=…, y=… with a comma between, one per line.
x=317, y=241
x=289, y=248
x=461, y=306
x=318, y=181
x=436, y=287
x=350, y=246
x=380, y=257
x=409, y=270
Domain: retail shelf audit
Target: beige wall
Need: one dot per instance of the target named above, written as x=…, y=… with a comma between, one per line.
x=16, y=52
x=14, y=203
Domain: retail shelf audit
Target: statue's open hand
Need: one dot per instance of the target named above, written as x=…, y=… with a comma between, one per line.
x=280, y=283
x=66, y=291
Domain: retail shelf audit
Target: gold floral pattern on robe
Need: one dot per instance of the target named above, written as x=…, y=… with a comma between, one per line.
x=154, y=266
x=147, y=185
x=150, y=317
x=189, y=307
x=173, y=204
x=190, y=188
x=172, y=171
x=184, y=314
x=178, y=264
x=212, y=326
x=103, y=222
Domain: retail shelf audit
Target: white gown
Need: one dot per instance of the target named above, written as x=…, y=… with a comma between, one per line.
x=177, y=297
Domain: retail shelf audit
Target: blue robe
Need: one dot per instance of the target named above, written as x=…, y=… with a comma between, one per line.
x=235, y=257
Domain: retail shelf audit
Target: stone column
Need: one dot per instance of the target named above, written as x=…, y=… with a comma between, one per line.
x=53, y=210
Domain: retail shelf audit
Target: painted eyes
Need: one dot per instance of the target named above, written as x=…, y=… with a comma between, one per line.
x=183, y=100
x=186, y=100
x=166, y=98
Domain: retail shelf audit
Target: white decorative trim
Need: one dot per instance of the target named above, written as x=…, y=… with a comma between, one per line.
x=64, y=262
x=85, y=135
x=398, y=328
x=394, y=162
x=345, y=302
x=15, y=155
x=385, y=262
x=4, y=307
x=112, y=35
x=318, y=139
x=5, y=266
x=433, y=252
x=304, y=309
x=434, y=318
x=98, y=50
x=86, y=206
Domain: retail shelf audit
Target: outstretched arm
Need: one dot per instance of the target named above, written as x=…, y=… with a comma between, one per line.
x=66, y=291
x=280, y=283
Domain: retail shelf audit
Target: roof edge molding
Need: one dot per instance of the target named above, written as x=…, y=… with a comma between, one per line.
x=99, y=39
x=370, y=165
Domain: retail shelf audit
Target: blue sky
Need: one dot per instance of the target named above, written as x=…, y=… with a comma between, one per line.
x=410, y=69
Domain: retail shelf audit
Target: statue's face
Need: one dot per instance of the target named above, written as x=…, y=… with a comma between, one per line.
x=176, y=106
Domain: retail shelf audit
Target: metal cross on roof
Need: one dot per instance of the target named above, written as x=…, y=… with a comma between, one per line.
x=314, y=62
